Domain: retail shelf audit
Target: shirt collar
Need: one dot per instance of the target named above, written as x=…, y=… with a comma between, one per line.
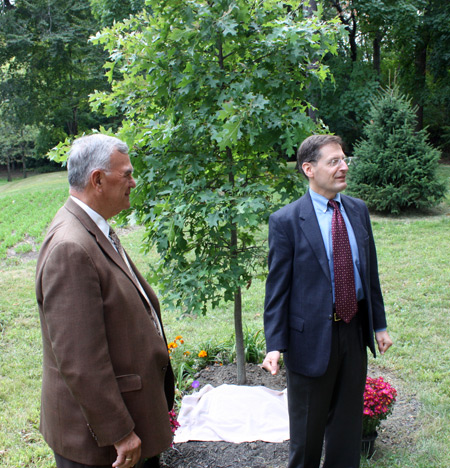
x=97, y=218
x=321, y=203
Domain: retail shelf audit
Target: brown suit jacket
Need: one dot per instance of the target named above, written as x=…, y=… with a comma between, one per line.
x=106, y=371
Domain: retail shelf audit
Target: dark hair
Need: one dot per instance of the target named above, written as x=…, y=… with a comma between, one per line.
x=309, y=150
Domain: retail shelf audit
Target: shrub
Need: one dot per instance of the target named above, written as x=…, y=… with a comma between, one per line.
x=395, y=165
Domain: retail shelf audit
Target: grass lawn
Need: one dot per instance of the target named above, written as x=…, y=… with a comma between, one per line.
x=414, y=258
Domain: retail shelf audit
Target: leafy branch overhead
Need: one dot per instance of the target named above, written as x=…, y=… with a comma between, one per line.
x=214, y=94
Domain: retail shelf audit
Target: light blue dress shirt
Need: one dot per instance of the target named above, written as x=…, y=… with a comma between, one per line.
x=324, y=214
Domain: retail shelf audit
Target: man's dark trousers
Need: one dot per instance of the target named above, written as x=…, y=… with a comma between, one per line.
x=330, y=407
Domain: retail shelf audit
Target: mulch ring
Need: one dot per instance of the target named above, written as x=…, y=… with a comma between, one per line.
x=395, y=432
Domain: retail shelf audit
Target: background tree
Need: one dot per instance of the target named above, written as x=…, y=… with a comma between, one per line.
x=50, y=67
x=396, y=166
x=108, y=11
x=424, y=66
x=214, y=94
x=388, y=40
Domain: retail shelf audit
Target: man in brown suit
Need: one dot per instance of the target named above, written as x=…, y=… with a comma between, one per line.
x=107, y=382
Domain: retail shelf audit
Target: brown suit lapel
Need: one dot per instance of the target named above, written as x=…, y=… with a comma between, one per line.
x=102, y=241
x=111, y=252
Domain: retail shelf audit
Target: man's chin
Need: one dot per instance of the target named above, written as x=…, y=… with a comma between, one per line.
x=341, y=185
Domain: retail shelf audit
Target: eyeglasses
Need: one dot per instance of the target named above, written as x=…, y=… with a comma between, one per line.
x=337, y=161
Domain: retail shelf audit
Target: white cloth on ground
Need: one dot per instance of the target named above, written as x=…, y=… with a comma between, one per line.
x=234, y=413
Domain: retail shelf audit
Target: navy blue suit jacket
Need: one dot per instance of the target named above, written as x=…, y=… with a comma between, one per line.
x=299, y=299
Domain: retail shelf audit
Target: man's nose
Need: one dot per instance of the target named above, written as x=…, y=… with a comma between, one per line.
x=343, y=165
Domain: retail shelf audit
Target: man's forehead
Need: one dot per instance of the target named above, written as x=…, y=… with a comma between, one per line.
x=120, y=160
x=331, y=150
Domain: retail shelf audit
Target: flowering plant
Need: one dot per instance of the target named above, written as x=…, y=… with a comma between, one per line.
x=379, y=398
x=174, y=424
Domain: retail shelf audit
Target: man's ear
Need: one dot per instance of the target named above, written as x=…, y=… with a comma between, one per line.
x=96, y=180
x=308, y=169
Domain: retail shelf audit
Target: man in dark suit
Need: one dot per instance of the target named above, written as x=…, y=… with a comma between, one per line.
x=107, y=382
x=320, y=313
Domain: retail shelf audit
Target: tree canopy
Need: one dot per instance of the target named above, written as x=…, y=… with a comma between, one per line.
x=214, y=94
x=49, y=68
x=405, y=42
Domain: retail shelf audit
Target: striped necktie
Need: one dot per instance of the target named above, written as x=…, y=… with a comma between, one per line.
x=117, y=244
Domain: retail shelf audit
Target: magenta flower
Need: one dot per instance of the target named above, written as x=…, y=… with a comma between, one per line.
x=379, y=398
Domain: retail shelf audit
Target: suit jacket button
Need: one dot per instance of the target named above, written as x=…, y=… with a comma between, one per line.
x=330, y=317
x=164, y=369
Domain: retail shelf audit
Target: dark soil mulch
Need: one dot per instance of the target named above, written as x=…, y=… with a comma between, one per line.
x=397, y=431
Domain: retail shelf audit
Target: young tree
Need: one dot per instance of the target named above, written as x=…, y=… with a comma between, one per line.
x=214, y=93
x=396, y=165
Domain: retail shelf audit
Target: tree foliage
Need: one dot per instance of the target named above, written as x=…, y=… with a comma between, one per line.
x=214, y=94
x=49, y=67
x=389, y=41
x=109, y=11
x=396, y=166
x=16, y=143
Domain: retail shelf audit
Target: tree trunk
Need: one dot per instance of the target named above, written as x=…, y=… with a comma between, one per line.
x=72, y=125
x=240, y=351
x=421, y=69
x=6, y=5
x=239, y=336
x=24, y=164
x=377, y=54
x=350, y=25
x=8, y=168
x=311, y=8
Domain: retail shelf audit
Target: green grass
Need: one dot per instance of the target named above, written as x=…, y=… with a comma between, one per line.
x=414, y=262
x=26, y=205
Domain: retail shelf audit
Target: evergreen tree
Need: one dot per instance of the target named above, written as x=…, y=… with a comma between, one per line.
x=396, y=166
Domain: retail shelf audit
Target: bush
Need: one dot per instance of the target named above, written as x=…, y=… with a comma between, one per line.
x=396, y=166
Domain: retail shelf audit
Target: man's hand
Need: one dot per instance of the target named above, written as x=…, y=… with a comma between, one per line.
x=128, y=451
x=270, y=362
x=384, y=341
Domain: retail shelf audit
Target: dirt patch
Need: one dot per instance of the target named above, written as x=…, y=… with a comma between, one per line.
x=25, y=250
x=396, y=432
x=28, y=249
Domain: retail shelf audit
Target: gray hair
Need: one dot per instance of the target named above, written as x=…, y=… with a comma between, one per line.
x=309, y=150
x=89, y=153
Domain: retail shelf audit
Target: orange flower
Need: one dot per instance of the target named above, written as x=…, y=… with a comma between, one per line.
x=202, y=353
x=186, y=353
x=172, y=345
x=179, y=337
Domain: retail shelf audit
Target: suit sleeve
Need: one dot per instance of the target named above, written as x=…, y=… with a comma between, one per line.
x=376, y=296
x=74, y=317
x=278, y=287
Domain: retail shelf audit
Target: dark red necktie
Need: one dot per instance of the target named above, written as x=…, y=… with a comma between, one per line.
x=344, y=276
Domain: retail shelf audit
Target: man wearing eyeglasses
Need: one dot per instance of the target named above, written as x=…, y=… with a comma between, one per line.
x=323, y=306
